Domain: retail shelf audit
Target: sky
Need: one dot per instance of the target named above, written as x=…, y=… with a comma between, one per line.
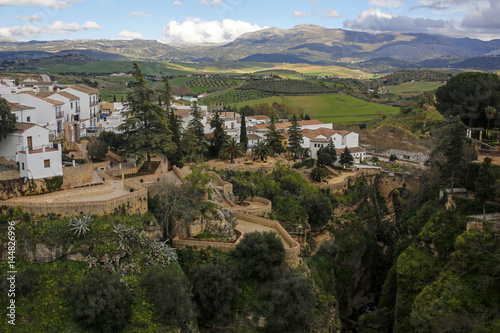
x=218, y=21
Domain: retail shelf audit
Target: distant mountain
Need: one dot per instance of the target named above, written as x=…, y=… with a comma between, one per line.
x=305, y=43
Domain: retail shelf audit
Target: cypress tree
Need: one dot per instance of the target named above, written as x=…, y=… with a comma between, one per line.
x=243, y=133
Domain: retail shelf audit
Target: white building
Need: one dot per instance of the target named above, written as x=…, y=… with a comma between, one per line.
x=257, y=120
x=24, y=114
x=89, y=105
x=29, y=145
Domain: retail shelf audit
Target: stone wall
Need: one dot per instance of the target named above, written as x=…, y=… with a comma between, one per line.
x=128, y=171
x=77, y=175
x=134, y=202
x=226, y=187
x=8, y=174
x=264, y=207
x=224, y=247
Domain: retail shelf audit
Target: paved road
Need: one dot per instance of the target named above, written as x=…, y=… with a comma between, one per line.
x=45, y=78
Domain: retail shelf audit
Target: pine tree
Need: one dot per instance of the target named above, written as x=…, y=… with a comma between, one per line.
x=175, y=124
x=485, y=184
x=274, y=138
x=195, y=123
x=114, y=98
x=8, y=120
x=295, y=138
x=146, y=130
x=220, y=136
x=346, y=157
x=243, y=133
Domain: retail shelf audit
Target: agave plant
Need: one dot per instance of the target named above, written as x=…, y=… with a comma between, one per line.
x=119, y=229
x=163, y=253
x=80, y=225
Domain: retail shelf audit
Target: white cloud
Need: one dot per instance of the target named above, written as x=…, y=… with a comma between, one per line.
x=33, y=18
x=484, y=17
x=125, y=34
x=298, y=13
x=198, y=31
x=375, y=20
x=177, y=4
x=213, y=3
x=58, y=28
x=386, y=3
x=57, y=4
x=330, y=13
x=140, y=14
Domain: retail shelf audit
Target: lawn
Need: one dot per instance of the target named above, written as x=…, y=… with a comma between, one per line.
x=414, y=88
x=330, y=108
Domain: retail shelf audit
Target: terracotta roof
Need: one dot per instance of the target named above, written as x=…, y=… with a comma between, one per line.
x=259, y=117
x=209, y=135
x=351, y=149
x=186, y=113
x=48, y=100
x=251, y=128
x=320, y=140
x=22, y=127
x=84, y=89
x=17, y=106
x=67, y=95
x=254, y=137
x=45, y=94
x=227, y=119
x=45, y=83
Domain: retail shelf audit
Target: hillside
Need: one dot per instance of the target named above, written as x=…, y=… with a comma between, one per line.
x=305, y=43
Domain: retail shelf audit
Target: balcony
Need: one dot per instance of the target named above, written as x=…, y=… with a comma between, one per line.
x=38, y=149
x=60, y=114
x=77, y=109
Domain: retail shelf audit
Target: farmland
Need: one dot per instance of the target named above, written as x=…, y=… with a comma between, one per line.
x=330, y=108
x=414, y=88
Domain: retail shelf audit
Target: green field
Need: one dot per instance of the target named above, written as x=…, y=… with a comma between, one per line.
x=414, y=88
x=330, y=108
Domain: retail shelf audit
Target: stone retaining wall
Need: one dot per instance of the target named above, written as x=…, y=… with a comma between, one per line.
x=224, y=247
x=77, y=175
x=9, y=174
x=129, y=171
x=266, y=207
x=135, y=202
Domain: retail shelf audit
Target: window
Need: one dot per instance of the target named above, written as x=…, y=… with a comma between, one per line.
x=22, y=166
x=71, y=105
x=46, y=163
x=28, y=119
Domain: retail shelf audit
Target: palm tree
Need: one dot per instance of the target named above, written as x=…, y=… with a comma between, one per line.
x=232, y=149
x=490, y=112
x=262, y=149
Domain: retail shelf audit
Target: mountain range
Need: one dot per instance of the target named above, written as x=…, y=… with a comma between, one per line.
x=304, y=43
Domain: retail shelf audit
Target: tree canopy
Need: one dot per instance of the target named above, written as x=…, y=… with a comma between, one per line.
x=146, y=130
x=467, y=95
x=296, y=139
x=8, y=120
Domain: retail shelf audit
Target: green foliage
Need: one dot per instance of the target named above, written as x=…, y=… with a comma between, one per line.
x=232, y=149
x=242, y=189
x=287, y=87
x=318, y=174
x=295, y=138
x=274, y=138
x=260, y=255
x=146, y=130
x=287, y=303
x=54, y=183
x=466, y=95
x=327, y=155
x=346, y=157
x=243, y=132
x=215, y=291
x=308, y=163
x=101, y=302
x=262, y=149
x=97, y=148
x=26, y=282
x=170, y=292
x=485, y=184
x=220, y=136
x=8, y=120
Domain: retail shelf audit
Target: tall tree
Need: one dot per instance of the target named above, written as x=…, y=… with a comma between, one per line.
x=232, y=149
x=243, y=133
x=274, y=138
x=485, y=184
x=346, y=157
x=8, y=120
x=146, y=129
x=195, y=124
x=450, y=156
x=490, y=112
x=295, y=138
x=174, y=124
x=220, y=136
x=327, y=155
x=466, y=95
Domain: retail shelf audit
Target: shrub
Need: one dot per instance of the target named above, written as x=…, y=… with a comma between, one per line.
x=287, y=303
x=260, y=254
x=170, y=291
x=318, y=174
x=101, y=302
x=215, y=291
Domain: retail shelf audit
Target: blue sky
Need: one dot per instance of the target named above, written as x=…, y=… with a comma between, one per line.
x=224, y=20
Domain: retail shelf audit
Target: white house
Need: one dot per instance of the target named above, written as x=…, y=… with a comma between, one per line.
x=29, y=145
x=314, y=139
x=89, y=105
x=253, y=140
x=258, y=120
x=24, y=114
